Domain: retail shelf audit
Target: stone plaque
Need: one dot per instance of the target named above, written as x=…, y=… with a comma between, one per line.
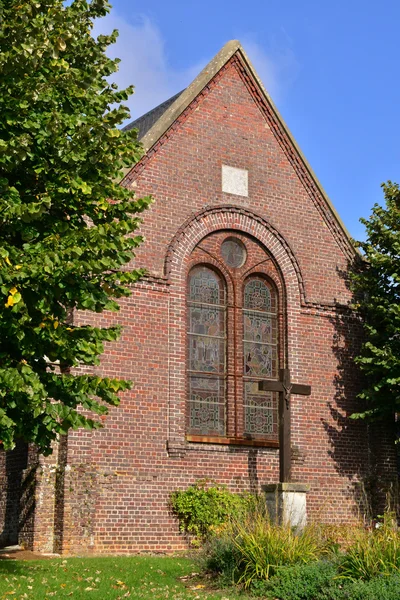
x=235, y=181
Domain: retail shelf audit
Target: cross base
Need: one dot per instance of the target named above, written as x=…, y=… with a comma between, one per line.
x=286, y=503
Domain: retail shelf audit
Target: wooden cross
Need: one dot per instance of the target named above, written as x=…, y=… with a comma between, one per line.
x=285, y=388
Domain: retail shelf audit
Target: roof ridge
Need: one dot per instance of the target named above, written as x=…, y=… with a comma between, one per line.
x=188, y=94
x=147, y=120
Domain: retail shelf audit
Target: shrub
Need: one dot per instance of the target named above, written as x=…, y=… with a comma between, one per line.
x=220, y=556
x=299, y=582
x=373, y=553
x=318, y=581
x=379, y=588
x=205, y=507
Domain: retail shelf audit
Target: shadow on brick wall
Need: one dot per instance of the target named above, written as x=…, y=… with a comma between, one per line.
x=12, y=468
x=363, y=453
x=27, y=500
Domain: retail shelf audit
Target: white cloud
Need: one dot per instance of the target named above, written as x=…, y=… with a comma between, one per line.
x=264, y=66
x=144, y=63
x=277, y=68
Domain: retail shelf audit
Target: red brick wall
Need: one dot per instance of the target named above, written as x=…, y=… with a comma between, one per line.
x=118, y=480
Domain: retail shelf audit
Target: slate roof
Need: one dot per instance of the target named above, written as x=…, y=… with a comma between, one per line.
x=146, y=121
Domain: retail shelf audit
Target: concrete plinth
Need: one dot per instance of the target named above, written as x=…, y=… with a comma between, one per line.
x=286, y=503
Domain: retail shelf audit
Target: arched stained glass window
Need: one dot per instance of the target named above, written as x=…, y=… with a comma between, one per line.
x=260, y=351
x=232, y=342
x=206, y=352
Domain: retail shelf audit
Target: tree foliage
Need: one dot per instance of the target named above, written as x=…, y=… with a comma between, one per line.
x=376, y=283
x=63, y=243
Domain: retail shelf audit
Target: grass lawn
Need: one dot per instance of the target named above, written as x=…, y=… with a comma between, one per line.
x=148, y=577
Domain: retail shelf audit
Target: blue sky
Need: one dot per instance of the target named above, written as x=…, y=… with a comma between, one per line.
x=332, y=69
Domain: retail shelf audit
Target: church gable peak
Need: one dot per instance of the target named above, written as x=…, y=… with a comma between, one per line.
x=162, y=116
x=153, y=125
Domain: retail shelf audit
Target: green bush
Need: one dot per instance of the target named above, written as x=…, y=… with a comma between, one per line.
x=220, y=556
x=373, y=553
x=299, y=582
x=319, y=581
x=205, y=507
x=379, y=588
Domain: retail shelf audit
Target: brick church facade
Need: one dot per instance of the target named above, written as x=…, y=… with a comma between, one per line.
x=246, y=260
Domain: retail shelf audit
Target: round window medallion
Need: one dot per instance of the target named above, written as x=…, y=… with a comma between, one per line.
x=233, y=252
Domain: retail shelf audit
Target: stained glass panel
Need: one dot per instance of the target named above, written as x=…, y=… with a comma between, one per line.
x=257, y=296
x=207, y=406
x=206, y=354
x=260, y=351
x=205, y=287
x=206, y=349
x=259, y=360
x=260, y=411
x=206, y=320
x=259, y=327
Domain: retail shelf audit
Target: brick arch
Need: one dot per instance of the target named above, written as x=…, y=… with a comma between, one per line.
x=212, y=219
x=178, y=258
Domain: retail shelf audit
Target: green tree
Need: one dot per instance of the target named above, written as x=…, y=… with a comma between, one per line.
x=63, y=243
x=376, y=284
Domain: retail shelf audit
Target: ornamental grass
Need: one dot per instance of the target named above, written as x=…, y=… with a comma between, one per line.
x=262, y=547
x=373, y=553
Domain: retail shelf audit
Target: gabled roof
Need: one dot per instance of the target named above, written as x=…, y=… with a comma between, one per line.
x=156, y=122
x=144, y=123
x=170, y=110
